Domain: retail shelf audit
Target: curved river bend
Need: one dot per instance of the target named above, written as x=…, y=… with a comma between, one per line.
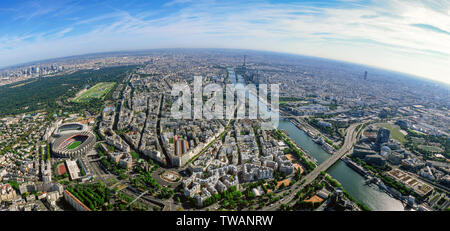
x=354, y=183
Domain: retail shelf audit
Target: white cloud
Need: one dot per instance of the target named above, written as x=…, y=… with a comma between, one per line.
x=379, y=34
x=176, y=2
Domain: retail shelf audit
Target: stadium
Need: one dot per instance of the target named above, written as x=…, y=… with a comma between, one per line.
x=69, y=128
x=72, y=140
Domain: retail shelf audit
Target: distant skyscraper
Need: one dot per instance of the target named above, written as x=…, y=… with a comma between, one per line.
x=245, y=56
x=365, y=75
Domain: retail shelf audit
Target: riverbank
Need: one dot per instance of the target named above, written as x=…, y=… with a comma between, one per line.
x=315, y=137
x=359, y=169
x=309, y=157
x=351, y=181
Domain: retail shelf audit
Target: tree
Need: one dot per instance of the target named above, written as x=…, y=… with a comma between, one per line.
x=250, y=195
x=48, y=151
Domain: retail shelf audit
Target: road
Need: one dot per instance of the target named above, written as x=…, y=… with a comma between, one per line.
x=350, y=140
x=137, y=198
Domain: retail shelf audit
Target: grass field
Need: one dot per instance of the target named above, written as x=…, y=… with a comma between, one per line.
x=396, y=134
x=428, y=148
x=74, y=145
x=417, y=140
x=98, y=91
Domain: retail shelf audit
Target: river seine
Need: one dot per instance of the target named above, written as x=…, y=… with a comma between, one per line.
x=354, y=183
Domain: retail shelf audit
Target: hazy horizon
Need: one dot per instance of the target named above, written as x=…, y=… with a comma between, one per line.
x=409, y=37
x=411, y=76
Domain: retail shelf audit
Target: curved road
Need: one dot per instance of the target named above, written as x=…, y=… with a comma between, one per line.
x=350, y=140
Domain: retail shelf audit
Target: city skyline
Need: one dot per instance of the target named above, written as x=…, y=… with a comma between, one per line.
x=408, y=37
x=78, y=132
x=213, y=105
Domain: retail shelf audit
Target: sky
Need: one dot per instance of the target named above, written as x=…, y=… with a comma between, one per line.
x=410, y=36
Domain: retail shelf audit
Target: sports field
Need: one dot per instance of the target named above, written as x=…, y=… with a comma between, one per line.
x=98, y=91
x=74, y=145
x=429, y=148
x=395, y=132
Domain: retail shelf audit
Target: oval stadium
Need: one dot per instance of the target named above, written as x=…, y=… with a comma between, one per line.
x=69, y=128
x=74, y=144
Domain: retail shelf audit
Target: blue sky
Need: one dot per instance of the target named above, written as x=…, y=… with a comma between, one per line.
x=411, y=36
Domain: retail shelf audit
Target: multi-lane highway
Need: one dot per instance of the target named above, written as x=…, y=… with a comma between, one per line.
x=350, y=140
